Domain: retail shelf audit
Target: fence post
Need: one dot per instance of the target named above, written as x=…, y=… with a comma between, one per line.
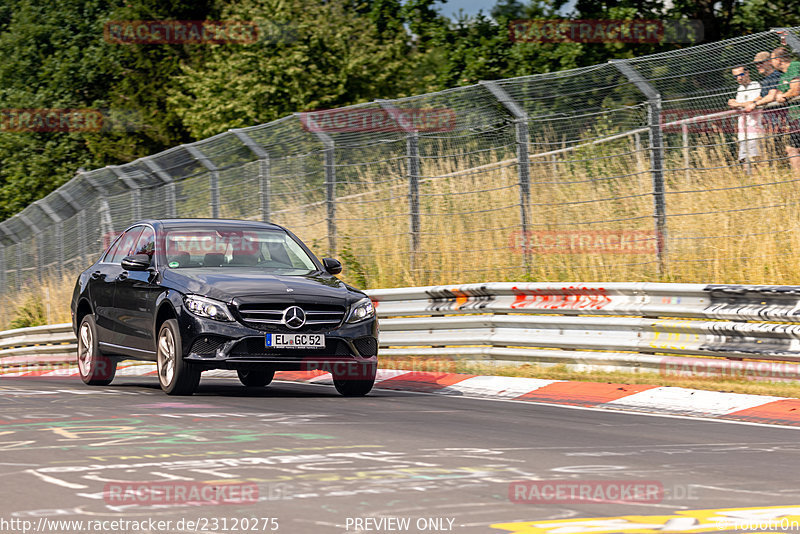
x=80, y=223
x=637, y=147
x=412, y=150
x=213, y=178
x=19, y=266
x=58, y=220
x=35, y=232
x=106, y=221
x=523, y=162
x=4, y=270
x=330, y=187
x=656, y=154
x=136, y=196
x=413, y=171
x=264, y=185
x=82, y=244
x=685, y=141
x=172, y=209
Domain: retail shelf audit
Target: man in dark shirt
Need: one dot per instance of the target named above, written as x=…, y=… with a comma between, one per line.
x=774, y=117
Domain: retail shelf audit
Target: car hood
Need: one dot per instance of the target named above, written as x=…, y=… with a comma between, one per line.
x=226, y=283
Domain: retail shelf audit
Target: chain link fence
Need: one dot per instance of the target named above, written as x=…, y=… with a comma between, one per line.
x=628, y=170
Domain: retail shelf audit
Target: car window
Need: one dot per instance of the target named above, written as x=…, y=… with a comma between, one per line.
x=126, y=243
x=245, y=247
x=112, y=249
x=146, y=244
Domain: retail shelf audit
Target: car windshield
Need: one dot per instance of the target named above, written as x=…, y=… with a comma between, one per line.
x=235, y=248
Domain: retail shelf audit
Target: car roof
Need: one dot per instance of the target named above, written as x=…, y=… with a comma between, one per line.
x=177, y=223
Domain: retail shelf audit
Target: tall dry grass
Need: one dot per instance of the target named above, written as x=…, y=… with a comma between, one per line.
x=723, y=225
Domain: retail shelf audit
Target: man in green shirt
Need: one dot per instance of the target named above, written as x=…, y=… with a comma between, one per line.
x=788, y=89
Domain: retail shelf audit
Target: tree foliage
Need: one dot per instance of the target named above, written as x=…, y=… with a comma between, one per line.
x=312, y=54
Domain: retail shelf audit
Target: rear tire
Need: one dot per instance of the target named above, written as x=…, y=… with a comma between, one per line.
x=95, y=368
x=176, y=376
x=357, y=380
x=255, y=378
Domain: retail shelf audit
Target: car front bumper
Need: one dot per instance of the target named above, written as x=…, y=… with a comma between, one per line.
x=231, y=345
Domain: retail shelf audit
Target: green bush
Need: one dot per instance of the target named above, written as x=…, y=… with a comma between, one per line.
x=30, y=313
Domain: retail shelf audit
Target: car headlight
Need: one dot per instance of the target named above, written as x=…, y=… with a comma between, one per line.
x=361, y=310
x=208, y=308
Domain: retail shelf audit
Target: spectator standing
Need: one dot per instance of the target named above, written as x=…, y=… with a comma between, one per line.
x=788, y=89
x=773, y=119
x=749, y=124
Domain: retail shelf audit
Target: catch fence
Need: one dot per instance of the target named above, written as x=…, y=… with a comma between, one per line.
x=621, y=171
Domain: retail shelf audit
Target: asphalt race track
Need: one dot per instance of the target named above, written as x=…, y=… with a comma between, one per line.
x=299, y=458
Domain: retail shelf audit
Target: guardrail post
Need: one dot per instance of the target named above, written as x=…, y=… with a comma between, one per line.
x=656, y=154
x=413, y=171
x=213, y=177
x=523, y=163
x=264, y=185
x=172, y=208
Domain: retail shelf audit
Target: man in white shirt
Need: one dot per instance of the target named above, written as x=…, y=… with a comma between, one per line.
x=750, y=128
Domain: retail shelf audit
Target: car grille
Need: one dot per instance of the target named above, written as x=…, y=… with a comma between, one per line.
x=268, y=316
x=254, y=347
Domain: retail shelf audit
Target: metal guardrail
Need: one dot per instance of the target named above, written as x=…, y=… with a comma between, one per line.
x=38, y=345
x=565, y=323
x=603, y=324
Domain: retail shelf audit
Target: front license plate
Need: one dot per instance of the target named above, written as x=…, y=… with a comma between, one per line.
x=296, y=341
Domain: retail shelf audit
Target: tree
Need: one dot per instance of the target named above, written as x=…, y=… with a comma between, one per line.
x=322, y=55
x=53, y=58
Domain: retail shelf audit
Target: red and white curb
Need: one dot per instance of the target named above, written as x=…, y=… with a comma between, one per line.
x=625, y=397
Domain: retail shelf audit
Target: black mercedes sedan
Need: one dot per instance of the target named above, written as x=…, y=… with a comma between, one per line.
x=198, y=294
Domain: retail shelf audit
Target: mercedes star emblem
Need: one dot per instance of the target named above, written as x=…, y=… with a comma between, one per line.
x=294, y=317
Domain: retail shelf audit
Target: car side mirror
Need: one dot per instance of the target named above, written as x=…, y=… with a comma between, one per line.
x=136, y=262
x=332, y=266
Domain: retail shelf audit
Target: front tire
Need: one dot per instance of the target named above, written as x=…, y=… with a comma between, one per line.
x=255, y=378
x=357, y=380
x=95, y=368
x=176, y=376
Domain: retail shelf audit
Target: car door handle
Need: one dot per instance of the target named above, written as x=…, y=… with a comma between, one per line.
x=96, y=275
x=123, y=275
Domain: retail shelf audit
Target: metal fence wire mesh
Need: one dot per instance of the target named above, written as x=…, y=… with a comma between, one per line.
x=627, y=170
